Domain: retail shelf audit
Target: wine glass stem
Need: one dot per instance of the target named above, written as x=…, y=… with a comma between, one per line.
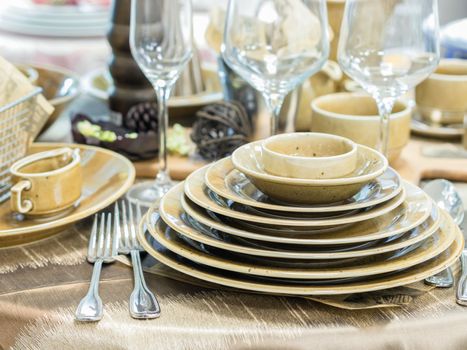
x=162, y=93
x=384, y=108
x=274, y=103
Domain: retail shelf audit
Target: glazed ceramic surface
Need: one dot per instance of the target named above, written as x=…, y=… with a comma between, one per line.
x=47, y=182
x=197, y=192
x=441, y=97
x=309, y=155
x=248, y=160
x=241, y=281
x=377, y=264
x=355, y=116
x=183, y=225
x=412, y=213
x=223, y=179
x=106, y=177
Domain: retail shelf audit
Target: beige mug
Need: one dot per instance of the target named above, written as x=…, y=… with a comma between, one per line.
x=442, y=97
x=47, y=182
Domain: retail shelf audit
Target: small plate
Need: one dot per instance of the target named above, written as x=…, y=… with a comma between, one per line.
x=302, y=287
x=196, y=191
x=431, y=247
x=424, y=128
x=226, y=181
x=106, y=176
x=222, y=241
x=370, y=165
x=412, y=213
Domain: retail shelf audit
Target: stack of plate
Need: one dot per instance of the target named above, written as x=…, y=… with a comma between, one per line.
x=54, y=21
x=218, y=226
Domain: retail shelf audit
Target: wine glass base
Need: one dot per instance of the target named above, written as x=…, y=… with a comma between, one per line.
x=148, y=193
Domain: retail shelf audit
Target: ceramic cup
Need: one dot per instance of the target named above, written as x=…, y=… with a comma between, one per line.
x=355, y=116
x=47, y=182
x=442, y=97
x=309, y=155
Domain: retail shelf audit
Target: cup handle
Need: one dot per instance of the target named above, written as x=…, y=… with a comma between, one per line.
x=17, y=204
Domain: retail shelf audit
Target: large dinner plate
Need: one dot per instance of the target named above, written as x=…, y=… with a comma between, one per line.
x=198, y=193
x=241, y=281
x=106, y=176
x=173, y=216
x=372, y=265
x=222, y=178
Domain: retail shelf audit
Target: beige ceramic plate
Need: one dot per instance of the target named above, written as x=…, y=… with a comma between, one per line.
x=226, y=181
x=106, y=176
x=370, y=165
x=413, y=274
x=221, y=241
x=196, y=191
x=373, y=265
x=411, y=214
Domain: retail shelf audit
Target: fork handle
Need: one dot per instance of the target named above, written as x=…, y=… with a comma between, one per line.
x=90, y=308
x=461, y=296
x=143, y=303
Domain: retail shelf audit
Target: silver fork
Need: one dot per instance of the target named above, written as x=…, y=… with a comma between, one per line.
x=103, y=246
x=143, y=304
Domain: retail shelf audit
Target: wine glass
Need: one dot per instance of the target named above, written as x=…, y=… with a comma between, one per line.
x=275, y=45
x=388, y=47
x=161, y=44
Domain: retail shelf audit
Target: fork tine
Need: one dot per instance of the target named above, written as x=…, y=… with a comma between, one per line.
x=108, y=236
x=131, y=218
x=100, y=240
x=117, y=233
x=93, y=239
x=139, y=216
x=126, y=232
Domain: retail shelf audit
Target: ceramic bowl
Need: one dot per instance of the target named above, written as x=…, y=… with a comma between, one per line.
x=249, y=159
x=355, y=116
x=60, y=88
x=309, y=155
x=442, y=97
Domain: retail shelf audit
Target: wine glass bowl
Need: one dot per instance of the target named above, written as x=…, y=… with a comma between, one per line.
x=275, y=44
x=390, y=51
x=161, y=44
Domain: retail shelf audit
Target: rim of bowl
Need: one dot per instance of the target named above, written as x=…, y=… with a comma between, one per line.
x=311, y=182
x=447, y=62
x=339, y=95
x=353, y=146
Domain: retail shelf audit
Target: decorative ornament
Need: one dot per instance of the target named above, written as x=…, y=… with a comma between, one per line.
x=220, y=128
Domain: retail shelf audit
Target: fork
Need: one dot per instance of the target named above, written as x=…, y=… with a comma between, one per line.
x=103, y=246
x=143, y=304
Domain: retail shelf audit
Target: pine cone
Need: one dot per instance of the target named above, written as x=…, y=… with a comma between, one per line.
x=142, y=118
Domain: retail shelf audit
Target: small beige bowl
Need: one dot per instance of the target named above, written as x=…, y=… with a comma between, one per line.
x=309, y=155
x=355, y=116
x=442, y=98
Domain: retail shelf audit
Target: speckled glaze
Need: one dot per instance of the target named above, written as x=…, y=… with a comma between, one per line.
x=195, y=191
x=222, y=178
x=431, y=247
x=222, y=277
x=53, y=181
x=355, y=116
x=370, y=165
x=309, y=155
x=442, y=97
x=172, y=214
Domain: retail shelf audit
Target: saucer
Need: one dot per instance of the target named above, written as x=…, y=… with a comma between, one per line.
x=106, y=177
x=431, y=247
x=196, y=191
x=274, y=286
x=413, y=212
x=424, y=128
x=222, y=178
x=370, y=165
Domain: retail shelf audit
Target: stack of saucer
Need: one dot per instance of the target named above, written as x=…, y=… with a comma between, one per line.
x=235, y=224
